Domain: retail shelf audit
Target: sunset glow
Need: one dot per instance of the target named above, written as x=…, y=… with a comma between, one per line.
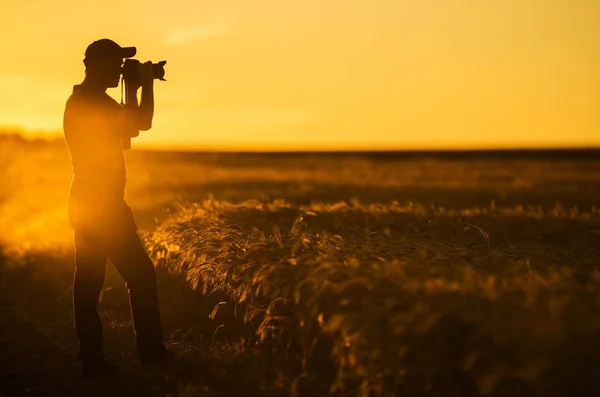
x=272, y=75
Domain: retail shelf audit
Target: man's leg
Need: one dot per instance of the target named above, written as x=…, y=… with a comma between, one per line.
x=131, y=260
x=90, y=267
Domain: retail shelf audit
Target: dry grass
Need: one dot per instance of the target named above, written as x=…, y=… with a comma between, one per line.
x=483, y=301
x=353, y=274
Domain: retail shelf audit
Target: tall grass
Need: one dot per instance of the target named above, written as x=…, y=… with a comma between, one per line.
x=409, y=300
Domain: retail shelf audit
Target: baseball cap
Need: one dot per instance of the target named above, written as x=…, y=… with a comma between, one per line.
x=105, y=48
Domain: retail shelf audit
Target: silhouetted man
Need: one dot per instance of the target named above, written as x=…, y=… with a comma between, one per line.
x=96, y=130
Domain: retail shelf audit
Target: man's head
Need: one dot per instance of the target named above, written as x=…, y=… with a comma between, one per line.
x=103, y=61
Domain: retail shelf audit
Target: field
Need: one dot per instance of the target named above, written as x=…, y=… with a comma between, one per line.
x=318, y=274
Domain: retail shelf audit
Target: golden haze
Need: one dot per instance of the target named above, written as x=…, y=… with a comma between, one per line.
x=271, y=75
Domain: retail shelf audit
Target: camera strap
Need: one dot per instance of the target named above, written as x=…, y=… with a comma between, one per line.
x=122, y=88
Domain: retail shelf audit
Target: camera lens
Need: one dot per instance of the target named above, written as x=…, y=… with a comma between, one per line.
x=159, y=70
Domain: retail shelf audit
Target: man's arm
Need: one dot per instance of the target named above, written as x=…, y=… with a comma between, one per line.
x=146, y=108
x=144, y=112
x=140, y=117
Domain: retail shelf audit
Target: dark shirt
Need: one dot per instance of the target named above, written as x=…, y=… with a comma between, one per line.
x=93, y=135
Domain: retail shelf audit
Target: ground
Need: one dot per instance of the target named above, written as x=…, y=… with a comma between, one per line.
x=493, y=258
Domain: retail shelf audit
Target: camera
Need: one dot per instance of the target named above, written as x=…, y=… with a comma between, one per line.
x=131, y=70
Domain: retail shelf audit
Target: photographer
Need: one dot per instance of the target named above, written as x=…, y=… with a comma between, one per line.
x=97, y=129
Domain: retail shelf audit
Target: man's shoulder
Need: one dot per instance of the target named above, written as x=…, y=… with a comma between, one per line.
x=78, y=97
x=81, y=97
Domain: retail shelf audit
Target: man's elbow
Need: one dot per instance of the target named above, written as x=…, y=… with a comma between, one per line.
x=144, y=120
x=144, y=124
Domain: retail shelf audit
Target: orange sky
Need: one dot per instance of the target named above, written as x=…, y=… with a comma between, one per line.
x=315, y=74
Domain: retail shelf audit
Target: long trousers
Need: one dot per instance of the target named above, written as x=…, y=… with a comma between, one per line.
x=121, y=244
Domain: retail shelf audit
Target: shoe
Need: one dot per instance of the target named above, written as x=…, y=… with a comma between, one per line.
x=96, y=368
x=158, y=361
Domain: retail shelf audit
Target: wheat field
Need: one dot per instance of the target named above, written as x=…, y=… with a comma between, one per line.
x=322, y=274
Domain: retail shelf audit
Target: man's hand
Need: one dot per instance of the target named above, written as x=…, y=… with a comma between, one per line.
x=145, y=111
x=146, y=73
x=146, y=77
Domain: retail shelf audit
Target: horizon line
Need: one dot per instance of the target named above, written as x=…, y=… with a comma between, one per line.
x=54, y=137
